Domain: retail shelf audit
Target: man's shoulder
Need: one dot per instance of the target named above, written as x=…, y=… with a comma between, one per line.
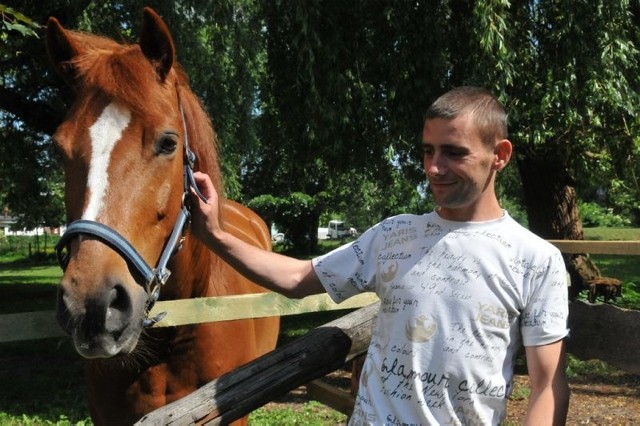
x=526, y=237
x=404, y=220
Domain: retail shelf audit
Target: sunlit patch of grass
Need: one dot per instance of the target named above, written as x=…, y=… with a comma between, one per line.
x=577, y=367
x=612, y=234
x=311, y=413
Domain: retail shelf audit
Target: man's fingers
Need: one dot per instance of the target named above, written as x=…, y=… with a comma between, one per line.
x=198, y=196
x=204, y=185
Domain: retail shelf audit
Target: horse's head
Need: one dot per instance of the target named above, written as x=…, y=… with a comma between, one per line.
x=123, y=150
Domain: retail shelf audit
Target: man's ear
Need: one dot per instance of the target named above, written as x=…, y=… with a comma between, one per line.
x=502, y=152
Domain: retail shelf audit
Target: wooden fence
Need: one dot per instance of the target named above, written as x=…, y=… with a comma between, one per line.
x=42, y=324
x=598, y=331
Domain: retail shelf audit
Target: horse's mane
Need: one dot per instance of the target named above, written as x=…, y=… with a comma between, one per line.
x=123, y=73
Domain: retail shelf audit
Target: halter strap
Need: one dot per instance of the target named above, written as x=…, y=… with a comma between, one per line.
x=108, y=236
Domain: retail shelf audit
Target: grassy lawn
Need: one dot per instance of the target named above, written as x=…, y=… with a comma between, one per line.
x=44, y=377
x=612, y=234
x=623, y=267
x=26, y=287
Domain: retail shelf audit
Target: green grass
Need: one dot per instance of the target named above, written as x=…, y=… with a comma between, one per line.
x=28, y=287
x=626, y=268
x=42, y=384
x=612, y=234
x=43, y=378
x=311, y=414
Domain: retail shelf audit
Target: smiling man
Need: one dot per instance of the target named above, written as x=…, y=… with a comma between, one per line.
x=462, y=288
x=464, y=146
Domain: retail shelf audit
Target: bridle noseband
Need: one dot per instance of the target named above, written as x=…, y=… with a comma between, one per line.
x=151, y=279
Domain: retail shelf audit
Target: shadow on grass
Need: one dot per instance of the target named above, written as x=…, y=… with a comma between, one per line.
x=42, y=379
x=24, y=297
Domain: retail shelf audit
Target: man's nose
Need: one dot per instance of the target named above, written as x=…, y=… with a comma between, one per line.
x=435, y=165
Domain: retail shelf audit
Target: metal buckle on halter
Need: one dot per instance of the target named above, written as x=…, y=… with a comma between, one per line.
x=160, y=277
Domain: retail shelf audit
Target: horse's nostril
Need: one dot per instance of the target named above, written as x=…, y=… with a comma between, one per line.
x=122, y=300
x=119, y=308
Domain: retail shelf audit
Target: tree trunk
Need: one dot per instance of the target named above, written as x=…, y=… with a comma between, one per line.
x=552, y=210
x=302, y=233
x=550, y=198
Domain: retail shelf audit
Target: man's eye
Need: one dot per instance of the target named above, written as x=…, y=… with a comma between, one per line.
x=456, y=153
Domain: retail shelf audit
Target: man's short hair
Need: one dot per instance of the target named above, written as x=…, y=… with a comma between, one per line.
x=487, y=112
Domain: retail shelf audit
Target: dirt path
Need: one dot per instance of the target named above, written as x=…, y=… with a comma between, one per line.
x=609, y=397
x=596, y=400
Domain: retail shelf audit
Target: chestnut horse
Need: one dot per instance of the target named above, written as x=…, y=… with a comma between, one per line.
x=129, y=145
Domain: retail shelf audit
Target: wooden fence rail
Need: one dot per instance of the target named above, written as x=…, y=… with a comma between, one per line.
x=597, y=247
x=605, y=332
x=41, y=325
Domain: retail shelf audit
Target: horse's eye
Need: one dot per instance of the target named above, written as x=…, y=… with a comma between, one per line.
x=166, y=145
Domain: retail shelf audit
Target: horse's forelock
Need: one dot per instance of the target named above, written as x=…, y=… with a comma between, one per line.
x=123, y=73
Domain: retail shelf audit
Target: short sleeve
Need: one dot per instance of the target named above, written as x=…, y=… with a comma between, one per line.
x=544, y=319
x=350, y=269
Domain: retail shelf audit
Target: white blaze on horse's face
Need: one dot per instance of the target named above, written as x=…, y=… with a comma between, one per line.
x=105, y=134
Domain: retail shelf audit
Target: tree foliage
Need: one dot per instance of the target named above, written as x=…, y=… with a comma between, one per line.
x=575, y=95
x=14, y=21
x=318, y=105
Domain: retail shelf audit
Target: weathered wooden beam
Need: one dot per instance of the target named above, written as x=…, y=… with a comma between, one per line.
x=605, y=332
x=597, y=247
x=249, y=387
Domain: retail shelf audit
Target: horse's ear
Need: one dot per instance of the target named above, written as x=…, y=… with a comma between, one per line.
x=156, y=43
x=61, y=49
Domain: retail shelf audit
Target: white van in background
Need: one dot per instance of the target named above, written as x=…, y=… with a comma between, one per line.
x=337, y=230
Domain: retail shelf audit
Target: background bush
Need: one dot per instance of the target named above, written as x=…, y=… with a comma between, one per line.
x=594, y=215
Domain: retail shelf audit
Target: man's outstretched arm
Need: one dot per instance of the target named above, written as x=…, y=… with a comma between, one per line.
x=292, y=277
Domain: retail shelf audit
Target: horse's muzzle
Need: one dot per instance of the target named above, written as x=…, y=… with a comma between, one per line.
x=104, y=323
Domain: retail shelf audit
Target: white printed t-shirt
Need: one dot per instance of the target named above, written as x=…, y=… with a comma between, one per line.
x=458, y=299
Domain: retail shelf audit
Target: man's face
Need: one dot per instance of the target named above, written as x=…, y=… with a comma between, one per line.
x=460, y=169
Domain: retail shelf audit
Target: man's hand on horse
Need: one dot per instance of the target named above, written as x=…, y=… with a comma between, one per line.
x=204, y=219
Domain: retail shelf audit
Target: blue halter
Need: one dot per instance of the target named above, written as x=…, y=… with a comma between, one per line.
x=152, y=279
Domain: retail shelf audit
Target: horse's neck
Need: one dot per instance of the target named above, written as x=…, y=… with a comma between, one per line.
x=191, y=271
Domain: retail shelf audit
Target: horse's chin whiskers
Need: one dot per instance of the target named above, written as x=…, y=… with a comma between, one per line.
x=137, y=360
x=143, y=355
